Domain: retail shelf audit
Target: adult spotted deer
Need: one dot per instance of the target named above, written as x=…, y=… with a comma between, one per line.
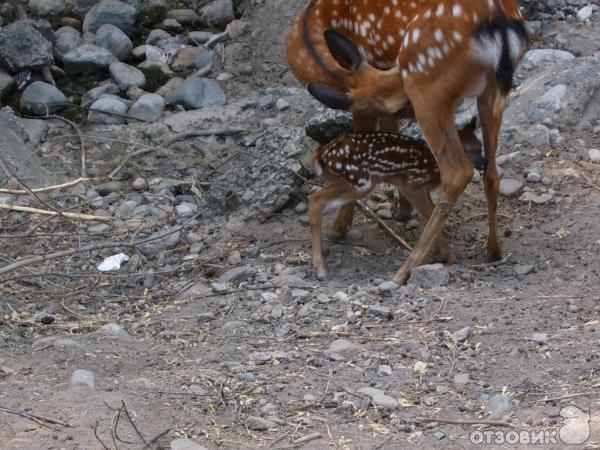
x=354, y=165
x=391, y=56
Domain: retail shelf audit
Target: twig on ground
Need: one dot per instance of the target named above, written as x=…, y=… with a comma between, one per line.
x=383, y=225
x=490, y=264
x=98, y=437
x=156, y=438
x=41, y=420
x=45, y=212
x=141, y=436
x=565, y=397
x=495, y=423
x=307, y=438
x=55, y=187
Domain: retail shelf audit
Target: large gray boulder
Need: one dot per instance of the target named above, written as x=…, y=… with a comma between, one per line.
x=87, y=59
x=67, y=40
x=114, y=40
x=41, y=98
x=197, y=92
x=148, y=108
x=7, y=83
x=114, y=12
x=126, y=76
x=46, y=7
x=218, y=13
x=22, y=47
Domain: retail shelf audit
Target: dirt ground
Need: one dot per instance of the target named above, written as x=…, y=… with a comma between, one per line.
x=203, y=364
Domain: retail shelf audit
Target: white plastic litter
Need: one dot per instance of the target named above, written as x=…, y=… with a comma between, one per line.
x=113, y=262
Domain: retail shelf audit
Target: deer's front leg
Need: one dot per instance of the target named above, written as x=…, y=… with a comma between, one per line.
x=456, y=172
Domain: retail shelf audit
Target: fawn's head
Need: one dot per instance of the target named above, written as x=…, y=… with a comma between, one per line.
x=472, y=145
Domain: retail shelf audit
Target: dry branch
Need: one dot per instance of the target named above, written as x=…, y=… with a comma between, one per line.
x=55, y=187
x=41, y=420
x=384, y=225
x=45, y=212
x=494, y=423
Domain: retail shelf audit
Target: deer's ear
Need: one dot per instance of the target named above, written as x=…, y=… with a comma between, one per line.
x=343, y=49
x=329, y=97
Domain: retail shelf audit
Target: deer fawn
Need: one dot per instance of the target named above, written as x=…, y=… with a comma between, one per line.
x=354, y=165
x=421, y=56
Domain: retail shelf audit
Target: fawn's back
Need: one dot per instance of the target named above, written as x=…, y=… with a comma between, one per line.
x=364, y=159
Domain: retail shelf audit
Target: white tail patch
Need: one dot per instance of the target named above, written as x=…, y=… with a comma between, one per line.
x=488, y=49
x=515, y=46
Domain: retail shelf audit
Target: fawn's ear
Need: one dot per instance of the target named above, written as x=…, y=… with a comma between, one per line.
x=329, y=97
x=343, y=49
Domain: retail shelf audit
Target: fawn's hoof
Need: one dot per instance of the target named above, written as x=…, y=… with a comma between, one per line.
x=320, y=272
x=493, y=256
x=402, y=216
x=401, y=276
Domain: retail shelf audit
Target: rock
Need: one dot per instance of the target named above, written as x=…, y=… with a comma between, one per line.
x=114, y=12
x=157, y=35
x=499, y=406
x=87, y=59
x=381, y=311
x=184, y=16
x=186, y=444
x=538, y=199
x=126, y=76
x=545, y=55
x=197, y=92
x=46, y=7
x=82, y=377
x=205, y=60
x=340, y=296
x=139, y=52
x=385, y=214
x=71, y=22
x=236, y=274
x=234, y=258
x=170, y=25
x=162, y=240
x=149, y=108
x=66, y=42
x=103, y=111
x=462, y=379
x=539, y=338
x=93, y=94
x=115, y=41
x=524, y=269
x=114, y=330
x=152, y=11
x=41, y=98
x=200, y=37
x=155, y=71
x=7, y=83
x=461, y=335
x=282, y=104
x=429, y=276
x=340, y=348
x=585, y=13
x=387, y=286
x=237, y=28
x=379, y=398
x=328, y=125
x=217, y=13
x=109, y=187
x=552, y=99
x=384, y=370
x=509, y=187
x=185, y=209
x=23, y=47
x=534, y=177
x=594, y=155
x=259, y=424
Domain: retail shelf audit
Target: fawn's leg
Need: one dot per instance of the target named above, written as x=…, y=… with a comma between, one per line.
x=317, y=202
x=421, y=198
x=491, y=108
x=437, y=123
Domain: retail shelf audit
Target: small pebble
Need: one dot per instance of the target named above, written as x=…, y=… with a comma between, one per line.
x=82, y=377
x=461, y=379
x=384, y=370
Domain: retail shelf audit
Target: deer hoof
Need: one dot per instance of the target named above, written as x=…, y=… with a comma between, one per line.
x=402, y=276
x=320, y=272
